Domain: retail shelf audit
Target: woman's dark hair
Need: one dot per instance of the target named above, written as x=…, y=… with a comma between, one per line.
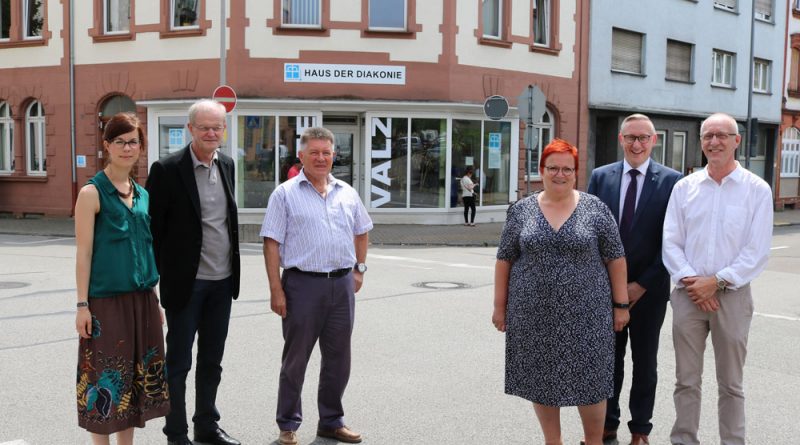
x=122, y=123
x=469, y=170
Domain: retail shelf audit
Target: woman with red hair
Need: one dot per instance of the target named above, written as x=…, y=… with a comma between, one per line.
x=560, y=293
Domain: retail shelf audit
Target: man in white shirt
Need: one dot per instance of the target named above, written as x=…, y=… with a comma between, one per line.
x=717, y=233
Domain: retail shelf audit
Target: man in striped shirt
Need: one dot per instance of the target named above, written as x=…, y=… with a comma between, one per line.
x=316, y=229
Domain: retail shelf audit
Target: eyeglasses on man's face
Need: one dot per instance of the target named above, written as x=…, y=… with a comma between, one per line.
x=722, y=137
x=204, y=129
x=566, y=171
x=631, y=138
x=121, y=143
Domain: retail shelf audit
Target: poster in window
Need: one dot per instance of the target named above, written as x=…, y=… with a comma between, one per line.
x=494, y=150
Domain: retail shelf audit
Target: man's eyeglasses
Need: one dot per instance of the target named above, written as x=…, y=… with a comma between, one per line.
x=631, y=138
x=205, y=129
x=566, y=171
x=121, y=143
x=722, y=137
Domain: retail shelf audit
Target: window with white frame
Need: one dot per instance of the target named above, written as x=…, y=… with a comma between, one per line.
x=185, y=13
x=790, y=153
x=545, y=132
x=492, y=16
x=722, y=71
x=678, y=150
x=6, y=139
x=34, y=138
x=541, y=22
x=387, y=15
x=761, y=72
x=764, y=10
x=301, y=13
x=679, y=61
x=33, y=18
x=796, y=5
x=5, y=19
x=117, y=16
x=729, y=5
x=657, y=153
x=626, y=51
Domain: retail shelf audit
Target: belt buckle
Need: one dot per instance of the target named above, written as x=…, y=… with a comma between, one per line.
x=328, y=274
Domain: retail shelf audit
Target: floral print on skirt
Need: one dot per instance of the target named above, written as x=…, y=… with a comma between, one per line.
x=122, y=376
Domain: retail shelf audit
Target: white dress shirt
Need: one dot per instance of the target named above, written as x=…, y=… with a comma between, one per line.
x=718, y=229
x=626, y=180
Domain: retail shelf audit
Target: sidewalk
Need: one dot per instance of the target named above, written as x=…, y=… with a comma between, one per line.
x=383, y=234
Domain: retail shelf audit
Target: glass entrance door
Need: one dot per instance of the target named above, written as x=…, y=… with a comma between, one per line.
x=346, y=164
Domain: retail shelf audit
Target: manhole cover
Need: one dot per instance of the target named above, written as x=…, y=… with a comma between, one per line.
x=440, y=285
x=12, y=284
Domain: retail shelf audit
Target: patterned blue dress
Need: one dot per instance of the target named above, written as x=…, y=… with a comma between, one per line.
x=559, y=321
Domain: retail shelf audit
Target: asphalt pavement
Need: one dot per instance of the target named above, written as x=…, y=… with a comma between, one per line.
x=485, y=235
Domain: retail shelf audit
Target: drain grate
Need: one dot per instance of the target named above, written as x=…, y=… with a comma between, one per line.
x=13, y=284
x=441, y=285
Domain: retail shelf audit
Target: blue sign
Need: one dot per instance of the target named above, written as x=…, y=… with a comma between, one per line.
x=291, y=72
x=253, y=122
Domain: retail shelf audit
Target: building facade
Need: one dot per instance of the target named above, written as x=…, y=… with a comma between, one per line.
x=678, y=62
x=401, y=83
x=788, y=185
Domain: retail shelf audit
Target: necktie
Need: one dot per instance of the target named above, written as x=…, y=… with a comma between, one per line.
x=629, y=206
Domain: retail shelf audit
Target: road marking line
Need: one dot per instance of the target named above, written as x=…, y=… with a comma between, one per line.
x=15, y=442
x=779, y=317
x=22, y=243
x=421, y=261
x=778, y=247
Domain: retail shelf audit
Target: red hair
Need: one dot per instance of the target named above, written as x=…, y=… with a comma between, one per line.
x=559, y=146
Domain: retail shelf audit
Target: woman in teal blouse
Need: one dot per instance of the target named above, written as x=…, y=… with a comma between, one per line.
x=121, y=380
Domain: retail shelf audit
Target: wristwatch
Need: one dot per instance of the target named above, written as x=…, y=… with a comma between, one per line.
x=721, y=283
x=360, y=267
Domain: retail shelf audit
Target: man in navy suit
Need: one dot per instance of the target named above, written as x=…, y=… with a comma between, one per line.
x=196, y=243
x=637, y=191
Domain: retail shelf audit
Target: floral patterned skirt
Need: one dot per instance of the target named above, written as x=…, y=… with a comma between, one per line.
x=122, y=376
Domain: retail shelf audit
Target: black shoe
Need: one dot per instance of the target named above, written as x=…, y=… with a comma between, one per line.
x=182, y=441
x=216, y=437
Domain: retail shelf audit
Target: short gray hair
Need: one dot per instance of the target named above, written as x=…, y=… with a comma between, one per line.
x=318, y=133
x=636, y=117
x=205, y=105
x=723, y=116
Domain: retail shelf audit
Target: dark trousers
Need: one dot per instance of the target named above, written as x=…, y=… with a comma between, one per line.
x=207, y=314
x=317, y=308
x=469, y=203
x=644, y=330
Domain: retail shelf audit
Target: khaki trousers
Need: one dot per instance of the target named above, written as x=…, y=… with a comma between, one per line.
x=729, y=327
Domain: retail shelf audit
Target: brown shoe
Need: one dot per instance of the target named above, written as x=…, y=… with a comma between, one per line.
x=342, y=434
x=287, y=438
x=639, y=439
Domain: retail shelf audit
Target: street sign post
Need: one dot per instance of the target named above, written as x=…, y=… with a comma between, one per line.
x=226, y=96
x=531, y=104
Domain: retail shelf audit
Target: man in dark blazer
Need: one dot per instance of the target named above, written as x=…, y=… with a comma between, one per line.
x=196, y=242
x=638, y=201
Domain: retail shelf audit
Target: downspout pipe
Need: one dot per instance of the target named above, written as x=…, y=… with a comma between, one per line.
x=72, y=138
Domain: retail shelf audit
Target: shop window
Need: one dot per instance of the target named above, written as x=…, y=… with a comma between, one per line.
x=5, y=19
x=172, y=134
x=301, y=13
x=34, y=139
x=116, y=16
x=657, y=153
x=492, y=17
x=722, y=71
x=6, y=139
x=761, y=75
x=541, y=22
x=266, y=148
x=545, y=131
x=427, y=144
x=184, y=13
x=728, y=5
x=466, y=153
x=626, y=51
x=679, y=61
x=790, y=153
x=32, y=18
x=387, y=15
x=764, y=10
x=495, y=163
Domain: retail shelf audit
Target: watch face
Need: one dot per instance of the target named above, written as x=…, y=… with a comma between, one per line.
x=361, y=267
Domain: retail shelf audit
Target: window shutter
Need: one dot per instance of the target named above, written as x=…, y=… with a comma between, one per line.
x=727, y=4
x=764, y=9
x=626, y=53
x=679, y=61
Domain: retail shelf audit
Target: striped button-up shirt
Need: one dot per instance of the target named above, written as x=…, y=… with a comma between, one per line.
x=315, y=233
